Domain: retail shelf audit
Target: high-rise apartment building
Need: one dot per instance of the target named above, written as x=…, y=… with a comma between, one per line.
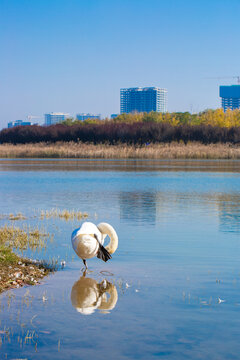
x=143, y=100
x=55, y=118
x=230, y=95
x=84, y=116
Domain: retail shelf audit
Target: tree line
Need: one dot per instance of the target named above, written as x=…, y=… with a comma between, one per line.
x=113, y=132
x=230, y=118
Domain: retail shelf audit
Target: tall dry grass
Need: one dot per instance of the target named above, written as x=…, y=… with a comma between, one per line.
x=63, y=214
x=121, y=151
x=22, y=239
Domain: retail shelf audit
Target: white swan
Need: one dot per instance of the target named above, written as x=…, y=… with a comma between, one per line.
x=87, y=241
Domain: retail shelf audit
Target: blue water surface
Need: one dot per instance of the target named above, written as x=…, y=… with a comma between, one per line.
x=173, y=285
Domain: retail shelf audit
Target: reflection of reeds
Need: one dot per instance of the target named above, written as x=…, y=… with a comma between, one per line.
x=63, y=214
x=172, y=150
x=20, y=327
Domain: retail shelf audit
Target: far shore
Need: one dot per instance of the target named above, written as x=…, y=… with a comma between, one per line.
x=71, y=150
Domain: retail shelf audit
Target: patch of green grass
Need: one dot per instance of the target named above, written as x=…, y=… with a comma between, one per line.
x=7, y=257
x=14, y=270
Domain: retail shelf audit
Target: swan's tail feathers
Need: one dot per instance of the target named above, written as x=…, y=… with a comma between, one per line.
x=103, y=254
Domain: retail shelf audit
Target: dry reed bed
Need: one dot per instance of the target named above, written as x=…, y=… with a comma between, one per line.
x=63, y=214
x=121, y=151
x=49, y=214
x=23, y=238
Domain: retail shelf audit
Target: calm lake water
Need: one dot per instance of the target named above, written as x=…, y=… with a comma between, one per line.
x=172, y=289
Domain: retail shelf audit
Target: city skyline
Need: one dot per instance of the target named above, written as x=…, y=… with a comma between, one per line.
x=140, y=99
x=76, y=55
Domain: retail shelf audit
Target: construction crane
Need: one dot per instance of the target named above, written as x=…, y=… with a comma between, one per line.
x=30, y=117
x=226, y=77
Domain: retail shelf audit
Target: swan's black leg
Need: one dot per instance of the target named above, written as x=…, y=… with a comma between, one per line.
x=85, y=263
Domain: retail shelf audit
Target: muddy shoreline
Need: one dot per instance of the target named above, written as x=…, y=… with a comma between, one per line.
x=23, y=272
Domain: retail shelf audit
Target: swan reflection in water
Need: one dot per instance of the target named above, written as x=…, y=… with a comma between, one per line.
x=87, y=295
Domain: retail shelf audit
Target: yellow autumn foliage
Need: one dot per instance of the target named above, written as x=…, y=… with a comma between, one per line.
x=216, y=117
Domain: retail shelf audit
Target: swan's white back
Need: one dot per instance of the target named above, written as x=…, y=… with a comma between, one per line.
x=86, y=240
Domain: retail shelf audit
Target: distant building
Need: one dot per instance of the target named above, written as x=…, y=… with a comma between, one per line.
x=55, y=118
x=230, y=96
x=143, y=100
x=113, y=116
x=84, y=116
x=19, y=123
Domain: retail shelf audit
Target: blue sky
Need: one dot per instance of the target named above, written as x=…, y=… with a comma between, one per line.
x=75, y=55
